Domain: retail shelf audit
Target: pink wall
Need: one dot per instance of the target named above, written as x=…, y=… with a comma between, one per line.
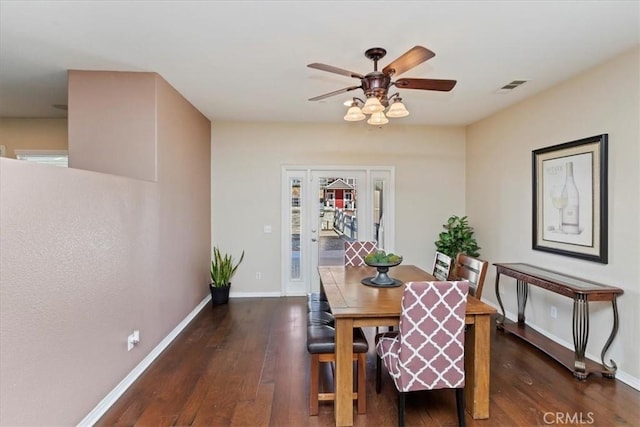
x=112, y=122
x=87, y=257
x=184, y=182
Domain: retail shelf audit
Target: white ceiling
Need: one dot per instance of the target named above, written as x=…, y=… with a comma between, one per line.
x=246, y=60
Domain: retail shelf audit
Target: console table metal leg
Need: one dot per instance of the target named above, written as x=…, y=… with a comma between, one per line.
x=580, y=333
x=613, y=367
x=500, y=320
x=523, y=293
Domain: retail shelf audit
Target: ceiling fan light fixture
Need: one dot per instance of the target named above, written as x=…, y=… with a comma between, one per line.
x=372, y=105
x=376, y=84
x=354, y=114
x=397, y=110
x=378, y=119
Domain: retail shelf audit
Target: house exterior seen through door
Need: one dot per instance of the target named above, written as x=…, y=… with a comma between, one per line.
x=324, y=207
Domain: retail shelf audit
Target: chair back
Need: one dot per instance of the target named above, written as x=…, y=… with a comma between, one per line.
x=354, y=252
x=431, y=352
x=442, y=266
x=473, y=270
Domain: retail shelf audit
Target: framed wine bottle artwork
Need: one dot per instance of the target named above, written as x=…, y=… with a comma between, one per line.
x=570, y=199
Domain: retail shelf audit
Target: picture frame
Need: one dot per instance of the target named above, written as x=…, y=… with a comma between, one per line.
x=570, y=191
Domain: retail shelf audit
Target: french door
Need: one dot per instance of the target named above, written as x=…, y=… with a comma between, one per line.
x=324, y=207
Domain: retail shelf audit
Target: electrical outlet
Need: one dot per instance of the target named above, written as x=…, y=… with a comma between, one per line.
x=133, y=339
x=554, y=312
x=258, y=276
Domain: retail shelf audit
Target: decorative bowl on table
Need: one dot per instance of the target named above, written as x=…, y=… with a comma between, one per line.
x=382, y=262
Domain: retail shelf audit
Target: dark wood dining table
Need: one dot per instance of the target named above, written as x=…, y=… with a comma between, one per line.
x=356, y=305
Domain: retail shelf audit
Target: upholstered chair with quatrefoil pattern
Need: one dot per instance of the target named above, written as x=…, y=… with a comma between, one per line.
x=354, y=252
x=427, y=352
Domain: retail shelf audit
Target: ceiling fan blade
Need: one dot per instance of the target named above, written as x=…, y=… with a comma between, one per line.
x=332, y=69
x=414, y=56
x=327, y=95
x=426, y=84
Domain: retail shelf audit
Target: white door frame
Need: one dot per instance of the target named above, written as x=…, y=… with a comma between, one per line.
x=308, y=279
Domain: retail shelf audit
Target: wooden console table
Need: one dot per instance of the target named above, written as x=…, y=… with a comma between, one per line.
x=582, y=291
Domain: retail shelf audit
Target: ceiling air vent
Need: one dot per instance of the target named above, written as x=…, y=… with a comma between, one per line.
x=511, y=86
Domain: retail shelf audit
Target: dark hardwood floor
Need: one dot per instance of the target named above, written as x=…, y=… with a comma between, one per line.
x=246, y=364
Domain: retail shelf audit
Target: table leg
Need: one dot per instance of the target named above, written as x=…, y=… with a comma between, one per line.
x=500, y=320
x=343, y=405
x=613, y=367
x=523, y=293
x=477, y=362
x=580, y=333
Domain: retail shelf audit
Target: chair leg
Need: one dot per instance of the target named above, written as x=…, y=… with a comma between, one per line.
x=460, y=406
x=362, y=383
x=314, y=381
x=378, y=374
x=401, y=409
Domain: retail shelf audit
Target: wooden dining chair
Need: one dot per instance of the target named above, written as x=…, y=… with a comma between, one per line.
x=354, y=252
x=472, y=270
x=442, y=264
x=321, y=344
x=427, y=352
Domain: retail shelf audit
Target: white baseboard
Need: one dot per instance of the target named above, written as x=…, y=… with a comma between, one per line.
x=621, y=375
x=254, y=294
x=119, y=390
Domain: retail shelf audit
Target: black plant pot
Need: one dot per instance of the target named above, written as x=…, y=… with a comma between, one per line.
x=219, y=295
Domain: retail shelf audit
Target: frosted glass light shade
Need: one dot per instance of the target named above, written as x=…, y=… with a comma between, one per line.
x=354, y=114
x=372, y=105
x=378, y=119
x=397, y=109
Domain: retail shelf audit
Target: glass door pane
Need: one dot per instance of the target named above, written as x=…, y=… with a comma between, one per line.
x=295, y=276
x=294, y=215
x=378, y=212
x=337, y=216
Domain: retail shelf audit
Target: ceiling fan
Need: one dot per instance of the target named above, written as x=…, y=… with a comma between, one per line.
x=376, y=84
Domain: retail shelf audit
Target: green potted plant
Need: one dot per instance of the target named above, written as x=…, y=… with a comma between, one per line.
x=222, y=270
x=457, y=238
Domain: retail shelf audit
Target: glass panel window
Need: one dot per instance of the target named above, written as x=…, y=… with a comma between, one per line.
x=294, y=220
x=378, y=212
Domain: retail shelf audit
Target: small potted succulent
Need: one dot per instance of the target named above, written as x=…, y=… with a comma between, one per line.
x=222, y=270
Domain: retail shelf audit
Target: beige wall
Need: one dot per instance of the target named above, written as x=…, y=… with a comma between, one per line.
x=88, y=257
x=246, y=171
x=498, y=198
x=33, y=134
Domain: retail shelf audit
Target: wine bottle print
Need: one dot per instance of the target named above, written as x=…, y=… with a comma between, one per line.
x=570, y=212
x=559, y=200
